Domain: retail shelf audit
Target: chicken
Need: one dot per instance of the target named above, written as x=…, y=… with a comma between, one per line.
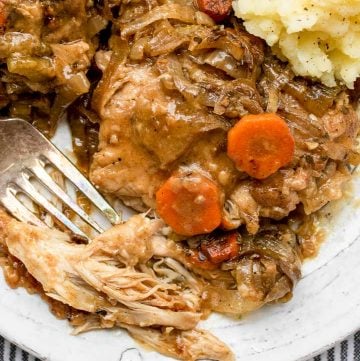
x=170, y=92
x=50, y=262
x=173, y=84
x=121, y=166
x=134, y=277
x=80, y=275
x=169, y=98
x=121, y=278
x=190, y=345
x=135, y=111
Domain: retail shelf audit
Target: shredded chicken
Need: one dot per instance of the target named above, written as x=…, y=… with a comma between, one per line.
x=80, y=275
x=134, y=277
x=189, y=345
x=110, y=279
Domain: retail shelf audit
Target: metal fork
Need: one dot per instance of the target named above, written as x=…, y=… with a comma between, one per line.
x=24, y=154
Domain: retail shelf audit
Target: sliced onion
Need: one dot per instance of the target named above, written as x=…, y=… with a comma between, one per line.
x=184, y=14
x=204, y=19
x=229, y=301
x=96, y=24
x=34, y=68
x=15, y=42
x=225, y=62
x=137, y=50
x=221, y=39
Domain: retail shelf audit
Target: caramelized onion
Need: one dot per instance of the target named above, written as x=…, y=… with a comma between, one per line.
x=225, y=62
x=316, y=98
x=181, y=13
x=16, y=42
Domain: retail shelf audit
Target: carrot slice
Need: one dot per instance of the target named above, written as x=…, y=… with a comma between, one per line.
x=198, y=259
x=216, y=9
x=260, y=144
x=190, y=204
x=3, y=15
x=223, y=249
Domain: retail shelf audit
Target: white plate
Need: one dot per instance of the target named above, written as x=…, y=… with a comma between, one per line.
x=325, y=309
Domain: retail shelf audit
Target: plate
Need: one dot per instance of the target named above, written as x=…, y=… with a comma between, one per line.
x=325, y=307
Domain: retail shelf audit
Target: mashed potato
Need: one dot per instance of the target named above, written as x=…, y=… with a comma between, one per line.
x=320, y=38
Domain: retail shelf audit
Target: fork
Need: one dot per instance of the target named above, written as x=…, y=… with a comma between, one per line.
x=24, y=155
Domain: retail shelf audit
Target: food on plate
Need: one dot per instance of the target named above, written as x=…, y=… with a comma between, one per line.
x=260, y=144
x=174, y=110
x=153, y=289
x=46, y=50
x=182, y=114
x=189, y=203
x=320, y=39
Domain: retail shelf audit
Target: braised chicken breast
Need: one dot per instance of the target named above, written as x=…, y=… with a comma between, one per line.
x=174, y=86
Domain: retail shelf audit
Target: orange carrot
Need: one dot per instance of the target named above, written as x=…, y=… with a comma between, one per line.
x=216, y=9
x=3, y=15
x=222, y=249
x=198, y=259
x=260, y=144
x=190, y=204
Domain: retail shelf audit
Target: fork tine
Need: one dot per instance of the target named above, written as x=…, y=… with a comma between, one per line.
x=53, y=187
x=77, y=178
x=28, y=188
x=18, y=210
